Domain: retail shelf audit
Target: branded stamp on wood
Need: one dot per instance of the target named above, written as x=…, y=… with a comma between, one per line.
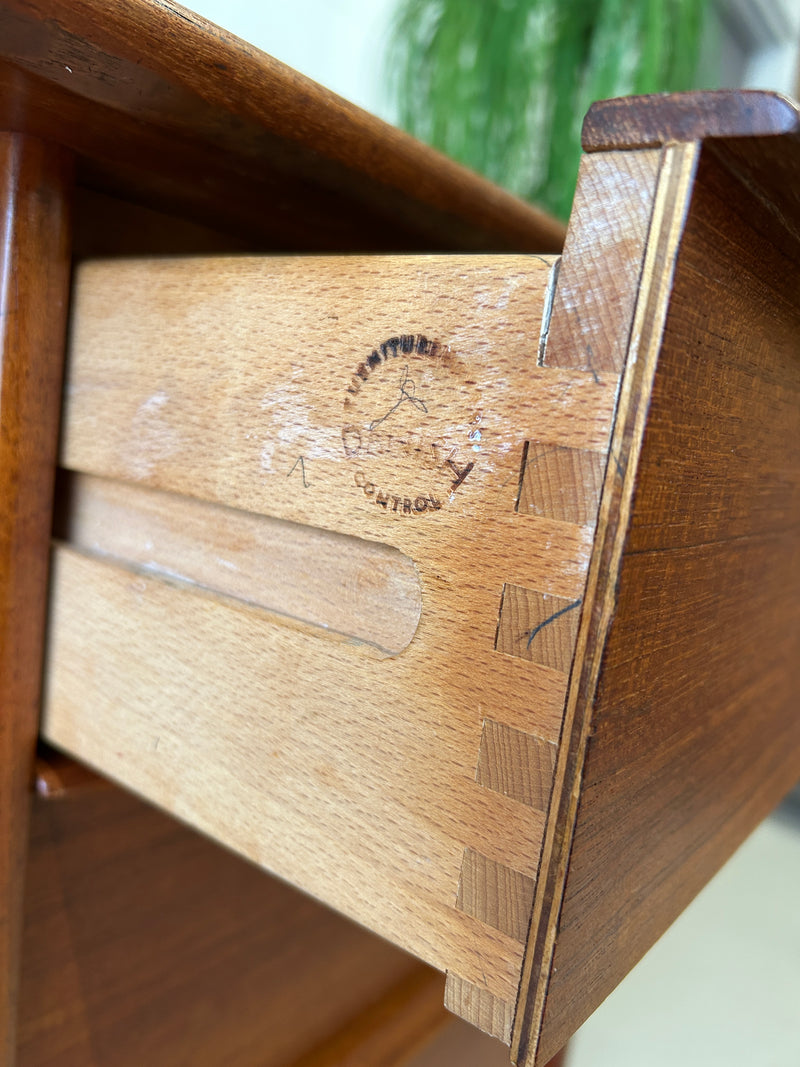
x=408, y=455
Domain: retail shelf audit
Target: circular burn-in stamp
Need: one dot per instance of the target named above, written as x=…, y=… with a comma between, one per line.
x=413, y=426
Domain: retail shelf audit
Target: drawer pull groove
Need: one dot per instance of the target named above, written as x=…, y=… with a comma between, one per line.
x=338, y=583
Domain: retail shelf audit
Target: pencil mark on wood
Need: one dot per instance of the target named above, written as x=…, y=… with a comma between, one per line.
x=552, y=619
x=301, y=463
x=590, y=361
x=408, y=390
x=547, y=312
x=537, y=626
x=587, y=347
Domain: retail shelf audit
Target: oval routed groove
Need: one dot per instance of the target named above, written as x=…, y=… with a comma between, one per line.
x=344, y=585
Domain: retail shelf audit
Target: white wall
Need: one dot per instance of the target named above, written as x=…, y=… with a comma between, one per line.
x=338, y=43
x=764, y=36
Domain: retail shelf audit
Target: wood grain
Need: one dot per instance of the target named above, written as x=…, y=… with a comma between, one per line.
x=708, y=590
x=538, y=627
x=145, y=943
x=561, y=483
x=516, y=764
x=293, y=368
x=408, y=789
x=495, y=894
x=35, y=182
x=480, y=1007
x=390, y=1031
x=462, y=1044
x=659, y=242
x=666, y=118
x=409, y=387
x=150, y=95
x=343, y=585
x=602, y=262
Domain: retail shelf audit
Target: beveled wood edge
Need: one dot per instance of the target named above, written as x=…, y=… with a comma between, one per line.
x=664, y=118
x=686, y=828
x=36, y=183
x=672, y=198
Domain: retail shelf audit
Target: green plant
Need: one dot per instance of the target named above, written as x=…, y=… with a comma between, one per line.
x=502, y=85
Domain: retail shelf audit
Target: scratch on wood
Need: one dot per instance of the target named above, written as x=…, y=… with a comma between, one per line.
x=547, y=312
x=522, y=470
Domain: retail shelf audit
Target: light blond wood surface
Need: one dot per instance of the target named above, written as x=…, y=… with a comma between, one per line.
x=344, y=585
x=387, y=405
x=602, y=263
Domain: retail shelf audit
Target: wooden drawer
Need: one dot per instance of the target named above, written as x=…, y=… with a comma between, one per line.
x=356, y=553
x=458, y=590
x=319, y=590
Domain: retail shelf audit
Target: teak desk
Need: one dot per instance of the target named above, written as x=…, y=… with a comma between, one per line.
x=458, y=589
